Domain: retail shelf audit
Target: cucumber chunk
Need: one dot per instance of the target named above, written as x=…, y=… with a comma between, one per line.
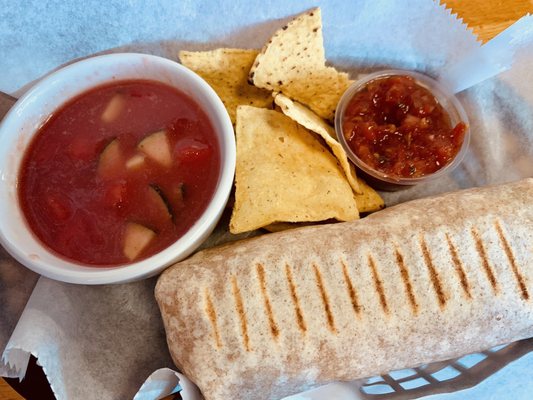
x=159, y=201
x=114, y=108
x=136, y=238
x=157, y=148
x=135, y=162
x=111, y=160
x=177, y=194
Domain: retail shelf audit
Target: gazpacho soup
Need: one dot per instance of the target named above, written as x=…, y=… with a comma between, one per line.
x=119, y=173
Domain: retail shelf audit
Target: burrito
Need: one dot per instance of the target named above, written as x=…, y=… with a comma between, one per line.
x=423, y=281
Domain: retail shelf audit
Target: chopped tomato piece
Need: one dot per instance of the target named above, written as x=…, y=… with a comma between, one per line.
x=58, y=207
x=191, y=150
x=81, y=148
x=115, y=194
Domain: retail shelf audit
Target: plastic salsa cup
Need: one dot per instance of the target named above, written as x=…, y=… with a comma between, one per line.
x=394, y=132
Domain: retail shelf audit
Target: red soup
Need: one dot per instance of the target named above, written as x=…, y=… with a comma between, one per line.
x=119, y=173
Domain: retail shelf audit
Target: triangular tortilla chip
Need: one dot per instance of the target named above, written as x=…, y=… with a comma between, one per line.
x=304, y=116
x=283, y=173
x=226, y=70
x=293, y=63
x=369, y=200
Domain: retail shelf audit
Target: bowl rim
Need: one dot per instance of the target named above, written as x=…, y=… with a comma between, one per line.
x=446, y=99
x=181, y=248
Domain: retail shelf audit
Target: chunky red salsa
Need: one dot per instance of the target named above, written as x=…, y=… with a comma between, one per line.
x=119, y=173
x=397, y=127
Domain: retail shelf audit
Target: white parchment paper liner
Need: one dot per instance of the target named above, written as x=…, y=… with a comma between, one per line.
x=102, y=342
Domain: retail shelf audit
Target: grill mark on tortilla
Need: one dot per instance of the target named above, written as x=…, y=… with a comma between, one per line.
x=378, y=285
x=299, y=316
x=458, y=265
x=514, y=265
x=325, y=299
x=239, y=308
x=351, y=290
x=484, y=260
x=406, y=281
x=433, y=274
x=268, y=307
x=212, y=314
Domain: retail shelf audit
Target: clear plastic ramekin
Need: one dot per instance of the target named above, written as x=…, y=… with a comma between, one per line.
x=444, y=97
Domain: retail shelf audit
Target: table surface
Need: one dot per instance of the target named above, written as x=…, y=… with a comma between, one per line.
x=485, y=17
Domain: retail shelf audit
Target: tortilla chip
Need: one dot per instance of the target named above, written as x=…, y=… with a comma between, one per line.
x=304, y=116
x=369, y=200
x=283, y=226
x=284, y=174
x=226, y=70
x=293, y=62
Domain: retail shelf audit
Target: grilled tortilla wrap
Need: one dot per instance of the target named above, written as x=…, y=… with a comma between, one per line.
x=424, y=281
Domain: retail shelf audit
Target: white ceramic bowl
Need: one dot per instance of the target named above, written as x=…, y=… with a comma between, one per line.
x=31, y=111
